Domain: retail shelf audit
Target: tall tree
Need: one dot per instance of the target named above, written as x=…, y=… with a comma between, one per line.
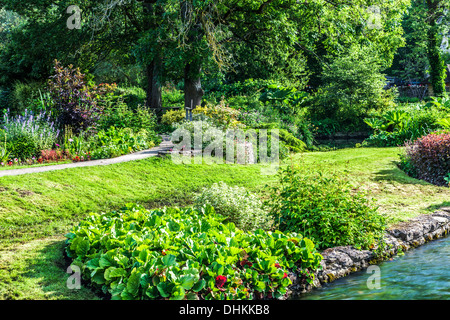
x=435, y=10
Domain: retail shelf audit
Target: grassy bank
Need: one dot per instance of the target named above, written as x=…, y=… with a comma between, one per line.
x=36, y=210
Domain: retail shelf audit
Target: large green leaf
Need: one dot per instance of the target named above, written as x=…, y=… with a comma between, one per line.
x=178, y=293
x=133, y=283
x=200, y=285
x=187, y=281
x=169, y=260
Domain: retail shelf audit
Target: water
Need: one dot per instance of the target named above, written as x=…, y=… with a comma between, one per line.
x=420, y=274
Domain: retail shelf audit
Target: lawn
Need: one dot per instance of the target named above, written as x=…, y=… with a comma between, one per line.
x=36, y=210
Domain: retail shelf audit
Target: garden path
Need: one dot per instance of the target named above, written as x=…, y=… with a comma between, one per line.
x=165, y=145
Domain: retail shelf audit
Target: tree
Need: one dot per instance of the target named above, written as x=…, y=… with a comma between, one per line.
x=435, y=10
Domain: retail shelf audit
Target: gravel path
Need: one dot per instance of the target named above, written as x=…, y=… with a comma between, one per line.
x=165, y=145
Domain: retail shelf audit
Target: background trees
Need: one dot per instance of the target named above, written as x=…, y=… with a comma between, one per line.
x=178, y=41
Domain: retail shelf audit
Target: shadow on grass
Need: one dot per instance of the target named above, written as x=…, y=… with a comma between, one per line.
x=435, y=207
x=47, y=270
x=398, y=175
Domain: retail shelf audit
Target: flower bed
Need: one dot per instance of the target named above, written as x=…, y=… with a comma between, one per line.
x=186, y=254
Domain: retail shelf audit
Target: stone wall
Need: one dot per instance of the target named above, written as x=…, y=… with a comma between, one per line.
x=339, y=262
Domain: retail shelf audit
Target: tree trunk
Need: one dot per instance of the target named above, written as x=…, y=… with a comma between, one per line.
x=437, y=65
x=193, y=92
x=154, y=96
x=154, y=69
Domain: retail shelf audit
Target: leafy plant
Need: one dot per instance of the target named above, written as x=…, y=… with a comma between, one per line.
x=189, y=254
x=430, y=157
x=29, y=133
x=75, y=103
x=115, y=142
x=173, y=116
x=442, y=103
x=324, y=208
x=444, y=123
x=239, y=206
x=4, y=153
x=395, y=127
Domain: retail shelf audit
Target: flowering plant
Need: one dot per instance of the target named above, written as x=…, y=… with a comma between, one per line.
x=186, y=254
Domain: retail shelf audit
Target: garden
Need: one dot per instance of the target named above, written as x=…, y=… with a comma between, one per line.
x=107, y=79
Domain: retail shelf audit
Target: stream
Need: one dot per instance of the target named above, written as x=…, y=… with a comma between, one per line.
x=421, y=273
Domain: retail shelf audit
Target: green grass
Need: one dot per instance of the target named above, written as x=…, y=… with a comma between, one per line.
x=36, y=210
x=45, y=204
x=398, y=196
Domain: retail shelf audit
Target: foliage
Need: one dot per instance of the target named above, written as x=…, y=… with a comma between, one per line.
x=325, y=208
x=30, y=133
x=288, y=140
x=395, y=127
x=438, y=69
x=185, y=254
x=23, y=96
x=115, y=142
x=74, y=103
x=131, y=96
x=429, y=158
x=248, y=87
x=352, y=86
x=220, y=115
x=203, y=129
x=285, y=98
x=4, y=153
x=172, y=117
x=172, y=97
x=440, y=103
x=120, y=115
x=237, y=205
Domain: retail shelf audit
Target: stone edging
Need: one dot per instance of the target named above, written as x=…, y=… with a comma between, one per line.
x=339, y=262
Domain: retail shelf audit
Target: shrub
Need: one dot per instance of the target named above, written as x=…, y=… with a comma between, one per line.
x=221, y=115
x=185, y=254
x=30, y=133
x=429, y=157
x=238, y=205
x=171, y=97
x=132, y=96
x=287, y=139
x=120, y=115
x=173, y=116
x=23, y=95
x=325, y=209
x=206, y=128
x=115, y=142
x=395, y=127
x=75, y=104
x=352, y=86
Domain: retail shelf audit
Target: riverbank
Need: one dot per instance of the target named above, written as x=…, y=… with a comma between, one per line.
x=339, y=262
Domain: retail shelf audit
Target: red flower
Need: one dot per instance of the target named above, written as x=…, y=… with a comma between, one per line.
x=277, y=265
x=220, y=281
x=284, y=275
